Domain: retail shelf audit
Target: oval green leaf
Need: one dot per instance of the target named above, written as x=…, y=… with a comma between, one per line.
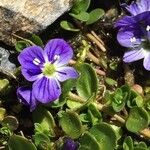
x=20, y=45
x=71, y=124
x=68, y=26
x=95, y=15
x=17, y=142
x=87, y=84
x=80, y=6
x=36, y=40
x=138, y=119
x=128, y=143
x=104, y=135
x=83, y=16
x=88, y=142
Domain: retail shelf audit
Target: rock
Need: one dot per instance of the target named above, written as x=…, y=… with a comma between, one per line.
x=5, y=64
x=28, y=16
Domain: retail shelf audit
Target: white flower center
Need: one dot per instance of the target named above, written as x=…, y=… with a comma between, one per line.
x=56, y=57
x=36, y=61
x=148, y=28
x=133, y=39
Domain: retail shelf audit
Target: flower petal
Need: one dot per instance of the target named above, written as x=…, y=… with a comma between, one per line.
x=137, y=7
x=146, y=61
x=133, y=55
x=26, y=97
x=58, y=51
x=128, y=38
x=125, y=21
x=31, y=59
x=64, y=73
x=46, y=89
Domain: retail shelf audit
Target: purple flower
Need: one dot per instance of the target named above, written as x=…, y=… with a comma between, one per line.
x=137, y=7
x=133, y=21
x=137, y=39
x=70, y=145
x=46, y=68
x=26, y=97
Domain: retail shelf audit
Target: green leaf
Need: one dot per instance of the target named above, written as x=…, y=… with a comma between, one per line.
x=20, y=45
x=83, y=16
x=104, y=135
x=2, y=113
x=128, y=143
x=118, y=100
x=17, y=142
x=42, y=141
x=110, y=81
x=71, y=124
x=95, y=15
x=87, y=83
x=36, y=40
x=80, y=6
x=4, y=83
x=73, y=104
x=11, y=122
x=94, y=114
x=88, y=142
x=84, y=117
x=45, y=119
x=135, y=100
x=118, y=131
x=39, y=129
x=138, y=119
x=142, y=145
x=68, y=26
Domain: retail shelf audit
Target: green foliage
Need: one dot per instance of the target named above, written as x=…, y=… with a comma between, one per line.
x=42, y=137
x=138, y=119
x=87, y=83
x=128, y=143
x=80, y=6
x=88, y=142
x=20, y=45
x=2, y=113
x=4, y=83
x=17, y=142
x=83, y=16
x=36, y=40
x=94, y=114
x=71, y=124
x=66, y=88
x=110, y=81
x=135, y=100
x=105, y=136
x=95, y=15
x=11, y=122
x=119, y=98
x=80, y=12
x=45, y=119
x=68, y=26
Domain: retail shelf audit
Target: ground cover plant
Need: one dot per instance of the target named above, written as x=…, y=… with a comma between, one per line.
x=83, y=84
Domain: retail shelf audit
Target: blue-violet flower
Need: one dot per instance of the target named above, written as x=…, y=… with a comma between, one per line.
x=137, y=39
x=46, y=68
x=137, y=7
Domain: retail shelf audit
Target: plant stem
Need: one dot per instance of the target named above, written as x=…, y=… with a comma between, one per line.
x=93, y=58
x=19, y=37
x=96, y=41
x=101, y=107
x=98, y=71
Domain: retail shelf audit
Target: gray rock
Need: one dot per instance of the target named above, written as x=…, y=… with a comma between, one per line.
x=5, y=64
x=28, y=16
